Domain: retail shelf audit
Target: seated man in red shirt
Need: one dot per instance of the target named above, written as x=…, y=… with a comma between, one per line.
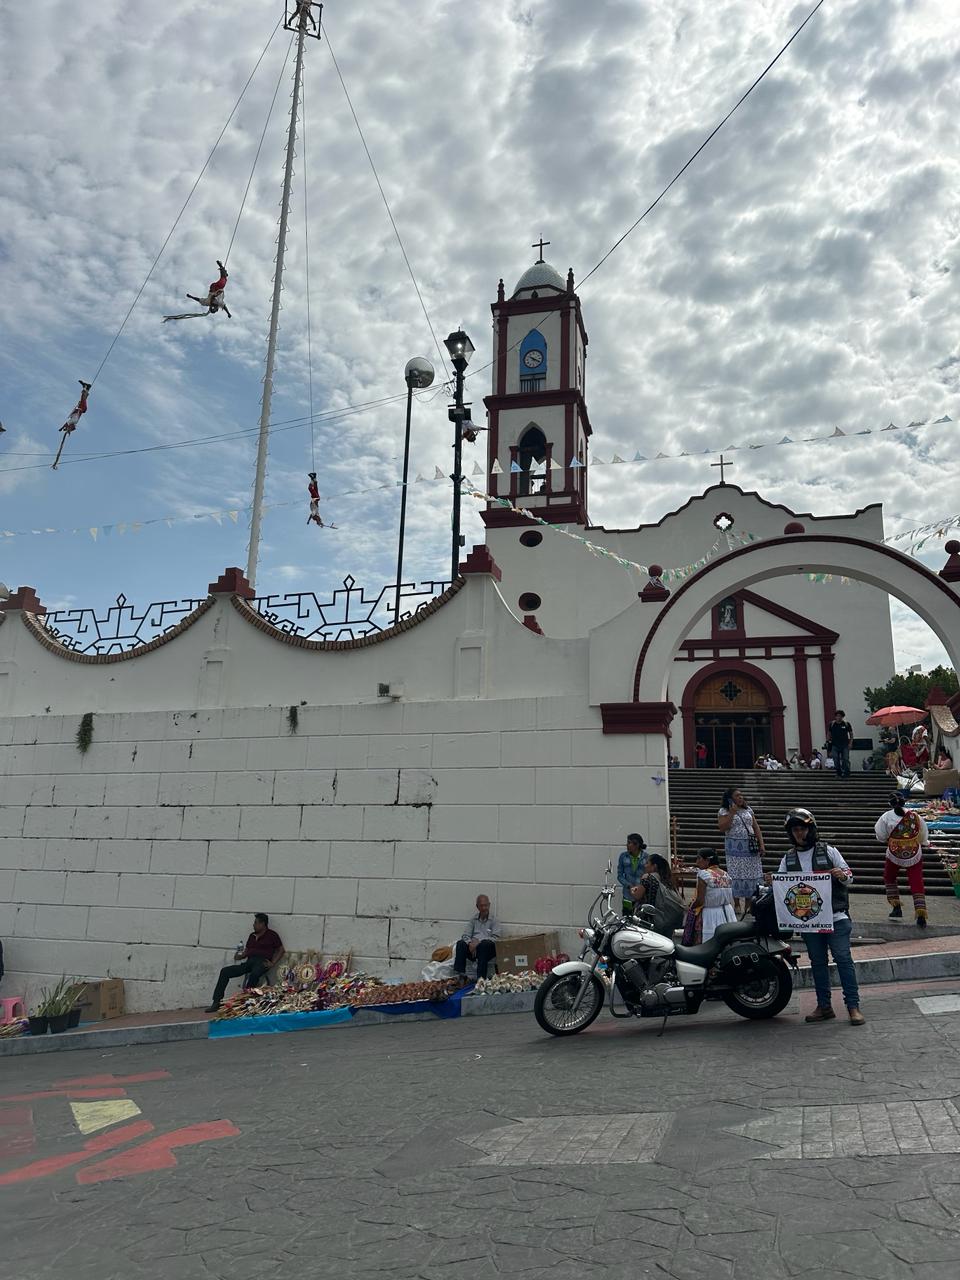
x=262, y=951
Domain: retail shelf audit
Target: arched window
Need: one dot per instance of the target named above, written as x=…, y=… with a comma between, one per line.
x=532, y=460
x=533, y=361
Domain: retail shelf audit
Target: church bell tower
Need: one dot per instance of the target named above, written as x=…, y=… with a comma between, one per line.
x=539, y=428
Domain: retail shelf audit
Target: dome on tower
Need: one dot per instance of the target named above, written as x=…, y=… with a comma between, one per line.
x=540, y=276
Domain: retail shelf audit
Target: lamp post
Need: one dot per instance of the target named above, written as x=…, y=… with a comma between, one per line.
x=418, y=374
x=461, y=349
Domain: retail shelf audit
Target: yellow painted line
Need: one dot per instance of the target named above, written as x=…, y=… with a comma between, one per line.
x=91, y=1116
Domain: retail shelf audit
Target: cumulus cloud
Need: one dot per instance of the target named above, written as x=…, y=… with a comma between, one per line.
x=800, y=276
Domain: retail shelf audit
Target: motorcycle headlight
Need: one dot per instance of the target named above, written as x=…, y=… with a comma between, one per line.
x=588, y=935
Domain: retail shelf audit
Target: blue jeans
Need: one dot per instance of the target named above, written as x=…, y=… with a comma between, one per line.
x=841, y=761
x=838, y=942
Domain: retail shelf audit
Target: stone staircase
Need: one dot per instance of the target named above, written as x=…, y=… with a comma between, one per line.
x=846, y=811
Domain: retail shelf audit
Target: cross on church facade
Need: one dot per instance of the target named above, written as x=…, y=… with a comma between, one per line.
x=722, y=464
x=540, y=245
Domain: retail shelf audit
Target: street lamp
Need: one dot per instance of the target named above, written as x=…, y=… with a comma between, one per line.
x=418, y=374
x=461, y=349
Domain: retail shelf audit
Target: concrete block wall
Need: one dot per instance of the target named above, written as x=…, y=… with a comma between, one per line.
x=373, y=828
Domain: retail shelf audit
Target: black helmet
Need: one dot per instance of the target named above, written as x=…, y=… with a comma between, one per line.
x=798, y=817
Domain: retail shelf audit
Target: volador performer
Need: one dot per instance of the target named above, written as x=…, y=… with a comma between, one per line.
x=314, y=492
x=70, y=425
x=905, y=834
x=213, y=300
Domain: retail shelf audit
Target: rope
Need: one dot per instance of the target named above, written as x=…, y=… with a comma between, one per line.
x=306, y=252
x=183, y=209
x=386, y=203
x=253, y=168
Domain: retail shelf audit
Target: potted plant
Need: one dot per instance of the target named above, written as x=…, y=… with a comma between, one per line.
x=55, y=1005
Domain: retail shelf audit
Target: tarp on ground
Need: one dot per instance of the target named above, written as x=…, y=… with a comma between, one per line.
x=271, y=1023
x=448, y=1008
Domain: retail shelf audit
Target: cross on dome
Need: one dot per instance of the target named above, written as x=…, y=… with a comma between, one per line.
x=540, y=245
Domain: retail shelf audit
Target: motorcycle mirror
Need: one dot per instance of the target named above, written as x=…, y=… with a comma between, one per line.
x=609, y=866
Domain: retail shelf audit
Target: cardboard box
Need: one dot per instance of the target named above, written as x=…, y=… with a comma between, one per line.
x=516, y=955
x=937, y=781
x=102, y=999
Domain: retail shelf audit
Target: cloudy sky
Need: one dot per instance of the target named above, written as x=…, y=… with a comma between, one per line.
x=800, y=276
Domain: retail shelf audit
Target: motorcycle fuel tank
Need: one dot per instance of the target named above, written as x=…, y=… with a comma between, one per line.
x=637, y=943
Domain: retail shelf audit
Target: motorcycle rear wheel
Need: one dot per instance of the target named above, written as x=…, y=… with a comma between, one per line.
x=764, y=998
x=554, y=1003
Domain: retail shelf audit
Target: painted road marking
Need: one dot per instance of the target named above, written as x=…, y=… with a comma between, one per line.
x=550, y=1140
x=877, y=1129
x=91, y=1116
x=937, y=1004
x=93, y=1146
x=17, y=1137
x=157, y=1153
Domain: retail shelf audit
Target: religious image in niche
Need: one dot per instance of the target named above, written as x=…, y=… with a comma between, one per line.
x=727, y=619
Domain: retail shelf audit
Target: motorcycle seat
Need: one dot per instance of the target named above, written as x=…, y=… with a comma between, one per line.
x=705, y=954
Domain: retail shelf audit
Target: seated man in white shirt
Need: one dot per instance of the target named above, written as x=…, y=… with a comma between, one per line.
x=479, y=941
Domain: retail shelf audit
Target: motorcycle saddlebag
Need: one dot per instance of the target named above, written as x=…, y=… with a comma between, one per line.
x=744, y=962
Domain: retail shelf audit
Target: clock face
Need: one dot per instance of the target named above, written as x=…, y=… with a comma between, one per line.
x=533, y=359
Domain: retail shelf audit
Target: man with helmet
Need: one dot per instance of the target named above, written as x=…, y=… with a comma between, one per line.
x=808, y=853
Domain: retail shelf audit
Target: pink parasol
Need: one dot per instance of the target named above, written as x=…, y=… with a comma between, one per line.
x=890, y=716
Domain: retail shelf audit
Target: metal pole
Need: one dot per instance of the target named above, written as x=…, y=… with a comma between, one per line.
x=256, y=511
x=403, y=501
x=459, y=365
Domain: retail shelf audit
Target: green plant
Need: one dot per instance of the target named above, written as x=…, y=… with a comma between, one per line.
x=59, y=999
x=293, y=718
x=85, y=732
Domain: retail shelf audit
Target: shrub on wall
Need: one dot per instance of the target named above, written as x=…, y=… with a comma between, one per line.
x=85, y=733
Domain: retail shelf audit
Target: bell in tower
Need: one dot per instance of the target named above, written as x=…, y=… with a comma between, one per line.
x=539, y=428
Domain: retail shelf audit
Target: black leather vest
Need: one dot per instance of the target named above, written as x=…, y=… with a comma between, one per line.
x=839, y=892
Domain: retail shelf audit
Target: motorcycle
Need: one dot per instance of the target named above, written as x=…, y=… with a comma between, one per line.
x=746, y=965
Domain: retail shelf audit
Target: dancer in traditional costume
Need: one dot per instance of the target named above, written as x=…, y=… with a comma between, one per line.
x=80, y=409
x=905, y=835
x=213, y=300
x=314, y=492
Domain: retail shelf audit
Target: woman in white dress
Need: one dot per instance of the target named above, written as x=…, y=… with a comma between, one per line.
x=714, y=894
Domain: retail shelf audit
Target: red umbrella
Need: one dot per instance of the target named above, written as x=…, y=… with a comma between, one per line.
x=890, y=716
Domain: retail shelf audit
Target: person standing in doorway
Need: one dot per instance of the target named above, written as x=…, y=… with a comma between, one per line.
x=905, y=834
x=808, y=854
x=630, y=867
x=701, y=754
x=840, y=738
x=743, y=845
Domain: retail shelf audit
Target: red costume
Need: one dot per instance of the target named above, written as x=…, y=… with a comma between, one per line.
x=314, y=492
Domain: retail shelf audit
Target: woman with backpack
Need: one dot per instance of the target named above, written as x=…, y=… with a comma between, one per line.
x=656, y=889
x=905, y=834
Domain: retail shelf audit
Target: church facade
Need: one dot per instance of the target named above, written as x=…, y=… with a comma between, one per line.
x=503, y=739
x=766, y=668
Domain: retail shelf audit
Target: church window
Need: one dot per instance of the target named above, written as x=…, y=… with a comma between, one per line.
x=533, y=361
x=532, y=460
x=723, y=521
x=532, y=538
x=529, y=602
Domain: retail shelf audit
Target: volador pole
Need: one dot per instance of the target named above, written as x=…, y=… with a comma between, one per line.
x=256, y=511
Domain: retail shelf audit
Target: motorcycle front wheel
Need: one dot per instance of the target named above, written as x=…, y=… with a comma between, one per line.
x=765, y=997
x=556, y=996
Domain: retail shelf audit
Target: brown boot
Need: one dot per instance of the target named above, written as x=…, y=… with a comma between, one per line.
x=856, y=1018
x=822, y=1013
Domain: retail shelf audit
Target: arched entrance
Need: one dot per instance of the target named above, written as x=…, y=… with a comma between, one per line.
x=736, y=710
x=930, y=597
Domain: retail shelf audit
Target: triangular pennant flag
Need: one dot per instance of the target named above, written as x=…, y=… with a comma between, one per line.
x=496, y=469
x=477, y=469
x=755, y=446
x=945, y=418
x=419, y=479
x=136, y=527
x=597, y=462
x=866, y=432
x=107, y=530
x=216, y=515
x=234, y=515
x=684, y=454
x=638, y=457
x=786, y=440
x=837, y=432
x=575, y=462
x=616, y=458
x=168, y=522
x=730, y=448
x=121, y=529
x=892, y=427
x=555, y=465
x=661, y=455
x=922, y=422
x=93, y=534
x=438, y=474
x=515, y=468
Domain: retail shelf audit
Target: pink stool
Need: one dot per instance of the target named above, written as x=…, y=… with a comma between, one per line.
x=11, y=1009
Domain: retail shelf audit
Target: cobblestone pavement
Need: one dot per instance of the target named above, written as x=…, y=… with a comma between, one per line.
x=482, y=1148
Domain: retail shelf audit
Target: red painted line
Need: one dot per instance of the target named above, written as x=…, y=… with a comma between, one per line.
x=89, y=1081
x=93, y=1146
x=65, y=1093
x=17, y=1137
x=157, y=1153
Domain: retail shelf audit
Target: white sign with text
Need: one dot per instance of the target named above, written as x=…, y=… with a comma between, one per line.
x=804, y=901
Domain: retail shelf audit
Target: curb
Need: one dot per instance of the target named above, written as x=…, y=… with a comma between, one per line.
x=938, y=964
